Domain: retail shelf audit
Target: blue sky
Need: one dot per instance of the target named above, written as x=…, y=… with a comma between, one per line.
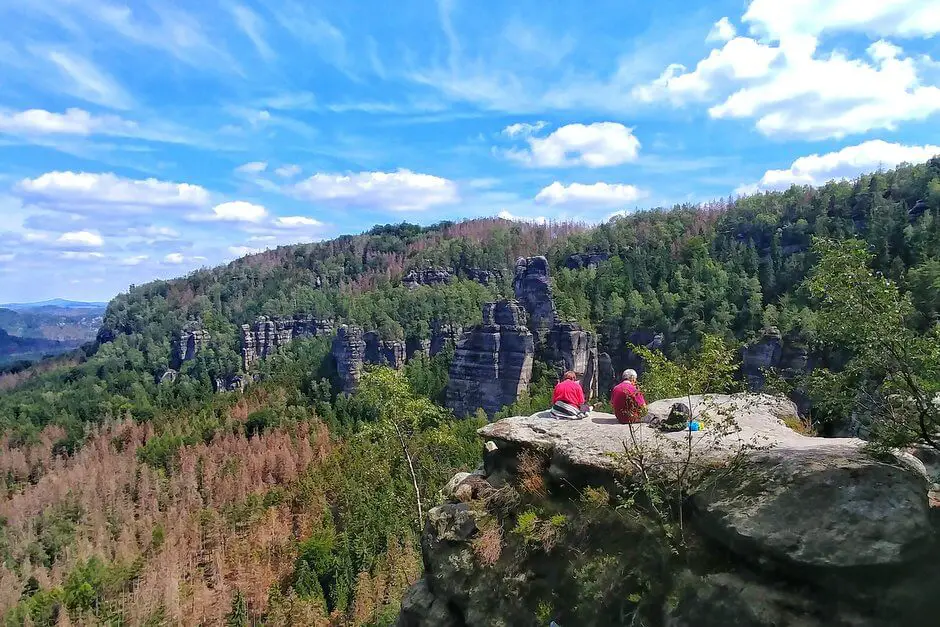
x=146, y=139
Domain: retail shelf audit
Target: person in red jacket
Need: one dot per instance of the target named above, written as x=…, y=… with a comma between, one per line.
x=568, y=399
x=627, y=400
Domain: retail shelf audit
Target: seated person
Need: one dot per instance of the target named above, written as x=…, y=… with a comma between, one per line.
x=568, y=399
x=627, y=400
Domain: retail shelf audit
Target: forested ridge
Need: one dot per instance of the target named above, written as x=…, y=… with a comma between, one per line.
x=132, y=501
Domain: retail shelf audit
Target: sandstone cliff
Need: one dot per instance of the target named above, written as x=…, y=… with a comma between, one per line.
x=349, y=350
x=189, y=343
x=534, y=292
x=493, y=362
x=268, y=334
x=565, y=521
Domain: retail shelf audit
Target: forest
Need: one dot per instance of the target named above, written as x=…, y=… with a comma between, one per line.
x=127, y=500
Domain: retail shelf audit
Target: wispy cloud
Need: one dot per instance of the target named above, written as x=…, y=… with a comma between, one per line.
x=85, y=80
x=253, y=26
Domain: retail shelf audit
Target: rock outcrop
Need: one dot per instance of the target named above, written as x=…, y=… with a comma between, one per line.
x=579, y=261
x=782, y=528
x=383, y=352
x=349, y=350
x=266, y=335
x=443, y=335
x=787, y=356
x=483, y=276
x=189, y=343
x=493, y=362
x=569, y=347
x=534, y=292
x=564, y=345
x=428, y=276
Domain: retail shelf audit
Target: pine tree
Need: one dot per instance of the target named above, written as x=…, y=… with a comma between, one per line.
x=238, y=616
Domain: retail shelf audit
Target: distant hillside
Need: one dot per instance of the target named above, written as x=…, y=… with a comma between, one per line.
x=71, y=324
x=13, y=348
x=55, y=303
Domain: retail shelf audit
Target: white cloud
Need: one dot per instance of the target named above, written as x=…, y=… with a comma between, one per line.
x=87, y=192
x=505, y=215
x=594, y=195
x=834, y=96
x=253, y=167
x=234, y=211
x=288, y=171
x=72, y=255
x=243, y=251
x=296, y=222
x=42, y=122
x=253, y=26
x=843, y=164
x=723, y=30
x=790, y=88
x=739, y=59
x=174, y=259
x=83, y=239
x=401, y=190
x=523, y=129
x=904, y=18
x=134, y=261
x=7, y=257
x=87, y=81
x=593, y=145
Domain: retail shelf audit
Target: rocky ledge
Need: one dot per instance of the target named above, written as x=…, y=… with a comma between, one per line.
x=787, y=529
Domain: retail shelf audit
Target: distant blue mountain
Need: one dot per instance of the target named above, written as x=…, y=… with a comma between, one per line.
x=57, y=303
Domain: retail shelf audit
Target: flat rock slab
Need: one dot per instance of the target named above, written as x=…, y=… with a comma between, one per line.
x=801, y=500
x=729, y=422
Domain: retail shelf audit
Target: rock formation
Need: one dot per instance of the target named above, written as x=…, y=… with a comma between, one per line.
x=443, y=335
x=534, y=292
x=786, y=355
x=564, y=345
x=268, y=334
x=428, y=276
x=440, y=276
x=231, y=383
x=569, y=347
x=189, y=343
x=349, y=351
x=416, y=346
x=580, y=261
x=383, y=352
x=482, y=276
x=493, y=362
x=784, y=529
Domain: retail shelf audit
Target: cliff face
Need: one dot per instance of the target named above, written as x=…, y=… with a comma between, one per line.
x=268, y=334
x=349, y=351
x=189, y=343
x=781, y=528
x=534, y=292
x=773, y=351
x=493, y=362
x=569, y=347
x=564, y=345
x=383, y=352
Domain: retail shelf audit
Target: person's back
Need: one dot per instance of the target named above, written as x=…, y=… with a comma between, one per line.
x=570, y=392
x=627, y=400
x=568, y=399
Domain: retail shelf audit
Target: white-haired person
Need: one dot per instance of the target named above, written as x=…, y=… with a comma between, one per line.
x=627, y=400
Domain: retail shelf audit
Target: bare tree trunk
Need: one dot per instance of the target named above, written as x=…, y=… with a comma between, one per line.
x=414, y=477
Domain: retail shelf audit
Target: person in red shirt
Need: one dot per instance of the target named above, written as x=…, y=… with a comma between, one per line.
x=568, y=399
x=627, y=400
